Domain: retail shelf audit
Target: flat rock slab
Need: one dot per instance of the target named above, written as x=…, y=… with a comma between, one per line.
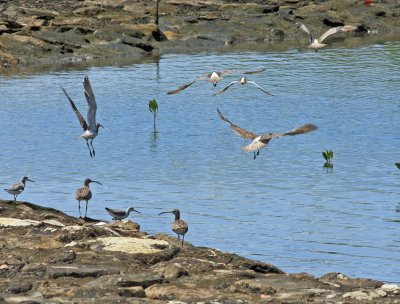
x=80, y=271
x=14, y=222
x=131, y=245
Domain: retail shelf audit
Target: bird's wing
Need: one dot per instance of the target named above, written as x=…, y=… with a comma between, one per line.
x=329, y=32
x=301, y=130
x=227, y=87
x=249, y=81
x=238, y=130
x=305, y=29
x=78, y=114
x=16, y=187
x=255, y=145
x=116, y=212
x=180, y=225
x=91, y=114
x=181, y=88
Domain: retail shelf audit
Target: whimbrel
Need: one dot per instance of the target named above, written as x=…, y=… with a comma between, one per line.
x=316, y=43
x=120, y=214
x=84, y=194
x=90, y=126
x=214, y=78
x=260, y=141
x=178, y=226
x=242, y=81
x=17, y=188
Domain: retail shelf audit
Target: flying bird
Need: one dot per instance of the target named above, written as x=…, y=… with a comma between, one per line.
x=90, y=127
x=17, y=188
x=242, y=81
x=214, y=78
x=260, y=141
x=84, y=194
x=316, y=43
x=119, y=215
x=178, y=226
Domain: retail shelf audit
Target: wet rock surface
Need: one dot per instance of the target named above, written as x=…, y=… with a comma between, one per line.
x=49, y=257
x=44, y=31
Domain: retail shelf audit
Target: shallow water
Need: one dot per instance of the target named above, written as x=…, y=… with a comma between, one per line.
x=283, y=208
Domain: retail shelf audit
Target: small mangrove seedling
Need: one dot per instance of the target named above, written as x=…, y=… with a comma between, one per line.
x=328, y=156
x=397, y=165
x=153, y=107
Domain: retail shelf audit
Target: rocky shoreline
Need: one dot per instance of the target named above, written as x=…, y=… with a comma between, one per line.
x=36, y=32
x=47, y=256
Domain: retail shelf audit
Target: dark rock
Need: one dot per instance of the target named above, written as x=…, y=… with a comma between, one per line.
x=270, y=8
x=332, y=22
x=158, y=35
x=380, y=14
x=144, y=280
x=79, y=271
x=135, y=42
x=19, y=287
x=136, y=292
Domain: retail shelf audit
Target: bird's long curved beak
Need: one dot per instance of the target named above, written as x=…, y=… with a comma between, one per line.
x=30, y=180
x=136, y=211
x=164, y=212
x=102, y=126
x=97, y=182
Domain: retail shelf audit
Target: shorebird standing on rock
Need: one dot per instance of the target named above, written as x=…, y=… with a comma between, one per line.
x=84, y=194
x=119, y=215
x=178, y=226
x=90, y=126
x=18, y=187
x=316, y=43
x=214, y=78
x=260, y=141
x=242, y=81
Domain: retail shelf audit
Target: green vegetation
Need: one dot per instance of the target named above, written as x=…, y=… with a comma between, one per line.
x=153, y=107
x=328, y=156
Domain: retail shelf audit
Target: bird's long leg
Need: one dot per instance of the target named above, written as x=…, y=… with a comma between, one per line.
x=86, y=209
x=255, y=155
x=91, y=143
x=183, y=239
x=79, y=205
x=90, y=151
x=15, y=197
x=258, y=152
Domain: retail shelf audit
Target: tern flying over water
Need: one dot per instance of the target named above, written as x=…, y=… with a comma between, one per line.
x=242, y=81
x=316, y=43
x=260, y=141
x=214, y=78
x=18, y=187
x=90, y=126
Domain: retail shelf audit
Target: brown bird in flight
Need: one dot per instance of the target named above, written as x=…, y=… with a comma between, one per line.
x=214, y=78
x=260, y=141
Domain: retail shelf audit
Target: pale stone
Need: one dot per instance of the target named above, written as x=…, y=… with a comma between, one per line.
x=130, y=245
x=14, y=222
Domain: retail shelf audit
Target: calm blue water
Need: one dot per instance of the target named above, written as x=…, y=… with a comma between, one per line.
x=283, y=208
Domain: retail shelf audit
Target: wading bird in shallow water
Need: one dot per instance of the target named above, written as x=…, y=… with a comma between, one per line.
x=84, y=194
x=119, y=215
x=260, y=141
x=316, y=43
x=214, y=78
x=242, y=81
x=18, y=187
x=90, y=126
x=178, y=226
